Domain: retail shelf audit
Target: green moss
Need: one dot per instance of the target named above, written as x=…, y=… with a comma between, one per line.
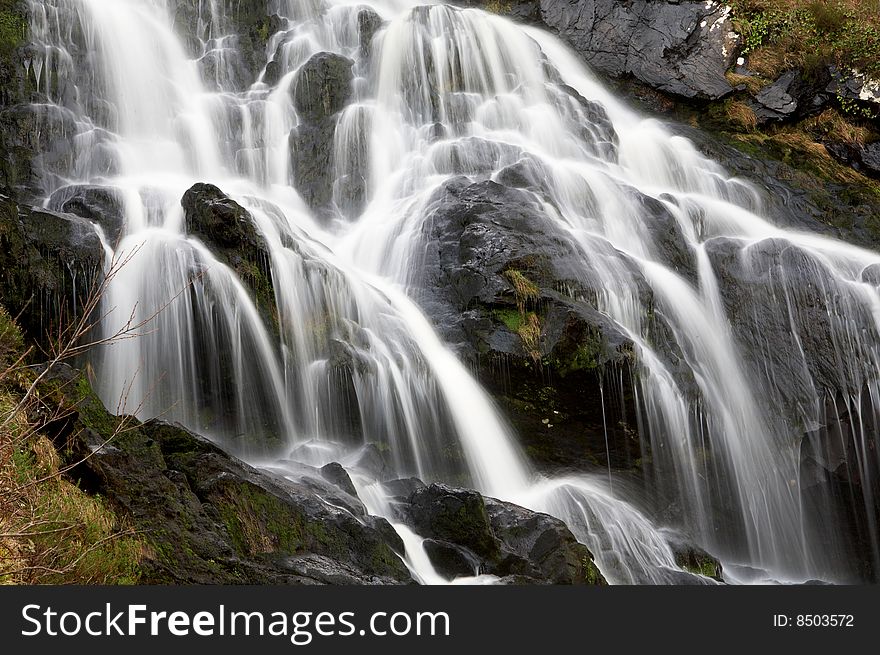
x=511, y=318
x=590, y=572
x=13, y=25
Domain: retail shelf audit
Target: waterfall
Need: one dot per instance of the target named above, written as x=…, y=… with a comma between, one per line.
x=165, y=94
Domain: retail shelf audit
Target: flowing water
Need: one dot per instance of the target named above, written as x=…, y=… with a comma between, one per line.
x=350, y=360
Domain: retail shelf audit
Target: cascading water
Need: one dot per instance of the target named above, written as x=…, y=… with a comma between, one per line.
x=349, y=359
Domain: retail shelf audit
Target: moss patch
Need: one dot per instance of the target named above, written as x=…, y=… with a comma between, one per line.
x=13, y=25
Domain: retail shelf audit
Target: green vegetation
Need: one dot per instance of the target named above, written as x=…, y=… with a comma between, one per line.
x=13, y=25
x=781, y=34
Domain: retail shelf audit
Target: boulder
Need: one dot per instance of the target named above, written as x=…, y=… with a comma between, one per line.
x=229, y=231
x=336, y=474
x=322, y=88
x=99, y=204
x=506, y=287
x=457, y=516
x=468, y=534
x=792, y=96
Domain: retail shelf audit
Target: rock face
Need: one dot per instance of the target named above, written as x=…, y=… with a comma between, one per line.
x=49, y=264
x=863, y=158
x=505, y=286
x=210, y=518
x=469, y=533
x=101, y=205
x=321, y=90
x=682, y=48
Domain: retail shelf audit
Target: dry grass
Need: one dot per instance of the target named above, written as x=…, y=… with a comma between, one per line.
x=530, y=333
x=830, y=125
x=753, y=83
x=770, y=62
x=794, y=146
x=51, y=532
x=524, y=289
x=740, y=115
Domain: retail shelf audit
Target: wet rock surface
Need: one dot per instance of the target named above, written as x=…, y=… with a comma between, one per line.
x=468, y=532
x=322, y=88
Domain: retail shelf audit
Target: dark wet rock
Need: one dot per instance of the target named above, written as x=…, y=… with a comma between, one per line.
x=871, y=159
x=369, y=23
x=792, y=96
x=865, y=159
x=449, y=560
x=50, y=262
x=833, y=470
x=71, y=238
x=335, y=473
x=311, y=150
x=455, y=515
x=99, y=204
x=403, y=488
x=692, y=558
x=210, y=518
x=217, y=219
x=229, y=231
x=38, y=146
x=322, y=86
x=467, y=532
x=540, y=546
x=506, y=286
x=247, y=27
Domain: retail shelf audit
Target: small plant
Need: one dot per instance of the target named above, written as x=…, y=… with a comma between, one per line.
x=524, y=289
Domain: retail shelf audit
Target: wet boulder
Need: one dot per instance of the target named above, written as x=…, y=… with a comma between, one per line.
x=99, y=204
x=458, y=516
x=229, y=231
x=322, y=88
x=468, y=533
x=368, y=24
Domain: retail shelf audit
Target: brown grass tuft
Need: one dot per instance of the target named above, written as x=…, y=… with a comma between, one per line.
x=741, y=115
